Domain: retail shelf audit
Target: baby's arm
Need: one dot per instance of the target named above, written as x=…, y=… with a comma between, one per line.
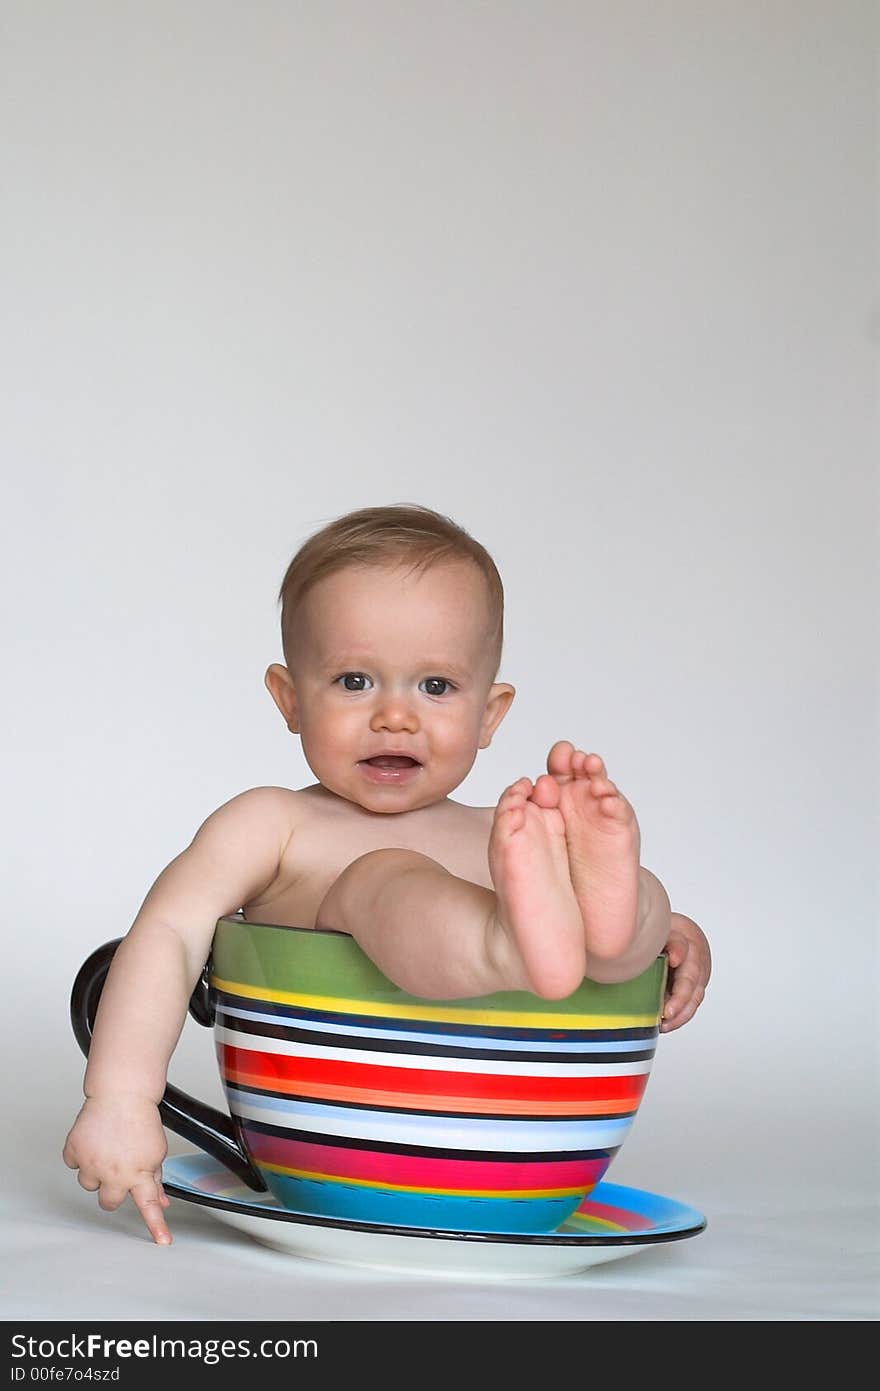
x=117, y=1141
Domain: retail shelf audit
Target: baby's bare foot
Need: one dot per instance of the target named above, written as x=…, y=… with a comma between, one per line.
x=603, y=842
x=537, y=911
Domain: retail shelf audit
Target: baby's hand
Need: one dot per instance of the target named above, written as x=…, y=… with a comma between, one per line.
x=690, y=966
x=118, y=1144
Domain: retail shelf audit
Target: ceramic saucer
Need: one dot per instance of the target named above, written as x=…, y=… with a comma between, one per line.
x=613, y=1222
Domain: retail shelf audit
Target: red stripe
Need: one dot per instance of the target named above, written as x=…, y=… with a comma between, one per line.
x=417, y=1101
x=422, y=1171
x=274, y=1070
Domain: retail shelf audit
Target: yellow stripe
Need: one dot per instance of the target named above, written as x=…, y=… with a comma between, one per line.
x=441, y=1014
x=316, y=1177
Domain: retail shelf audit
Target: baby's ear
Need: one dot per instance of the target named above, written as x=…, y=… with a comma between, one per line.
x=279, y=684
x=498, y=702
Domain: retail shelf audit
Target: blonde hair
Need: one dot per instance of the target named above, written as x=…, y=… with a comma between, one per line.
x=383, y=536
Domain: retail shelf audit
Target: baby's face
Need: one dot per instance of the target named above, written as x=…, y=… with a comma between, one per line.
x=395, y=664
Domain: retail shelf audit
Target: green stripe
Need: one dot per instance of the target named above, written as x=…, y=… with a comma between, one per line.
x=331, y=963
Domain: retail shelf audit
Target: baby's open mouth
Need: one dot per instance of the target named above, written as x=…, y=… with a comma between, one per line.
x=391, y=760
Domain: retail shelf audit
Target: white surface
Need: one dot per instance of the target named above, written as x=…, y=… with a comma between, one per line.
x=597, y=281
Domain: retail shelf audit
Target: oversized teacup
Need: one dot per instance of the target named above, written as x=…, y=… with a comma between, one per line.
x=353, y=1100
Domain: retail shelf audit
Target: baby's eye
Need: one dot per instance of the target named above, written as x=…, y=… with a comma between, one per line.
x=354, y=676
x=432, y=682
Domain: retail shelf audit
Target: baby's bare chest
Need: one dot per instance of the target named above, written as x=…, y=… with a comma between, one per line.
x=321, y=847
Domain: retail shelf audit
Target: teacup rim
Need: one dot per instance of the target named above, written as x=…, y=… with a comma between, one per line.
x=238, y=917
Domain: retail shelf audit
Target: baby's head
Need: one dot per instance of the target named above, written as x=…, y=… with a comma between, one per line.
x=392, y=627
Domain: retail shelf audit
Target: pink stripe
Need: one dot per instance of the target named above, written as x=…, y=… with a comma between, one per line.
x=421, y=1171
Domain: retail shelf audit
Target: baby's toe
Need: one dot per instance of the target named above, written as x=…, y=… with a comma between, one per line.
x=603, y=787
x=546, y=792
x=513, y=796
x=617, y=807
x=517, y=791
x=559, y=759
x=510, y=815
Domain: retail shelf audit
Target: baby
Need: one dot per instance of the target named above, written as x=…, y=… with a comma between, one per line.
x=391, y=631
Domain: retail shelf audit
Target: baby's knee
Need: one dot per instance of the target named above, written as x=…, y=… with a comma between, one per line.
x=376, y=865
x=360, y=883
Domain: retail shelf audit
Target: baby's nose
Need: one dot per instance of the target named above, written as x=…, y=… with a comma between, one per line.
x=395, y=711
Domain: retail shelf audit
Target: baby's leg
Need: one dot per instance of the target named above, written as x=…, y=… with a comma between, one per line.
x=442, y=937
x=427, y=930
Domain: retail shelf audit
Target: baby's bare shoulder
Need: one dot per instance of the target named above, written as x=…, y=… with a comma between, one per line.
x=259, y=812
x=285, y=803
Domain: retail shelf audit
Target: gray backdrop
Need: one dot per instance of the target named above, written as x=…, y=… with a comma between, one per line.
x=597, y=282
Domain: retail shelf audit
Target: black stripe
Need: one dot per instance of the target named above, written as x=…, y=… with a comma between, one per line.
x=420, y=1111
x=408, y=1046
x=425, y=1151
x=297, y=1014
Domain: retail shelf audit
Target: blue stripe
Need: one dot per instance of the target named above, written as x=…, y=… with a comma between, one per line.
x=413, y=1210
x=595, y=1046
x=480, y=1132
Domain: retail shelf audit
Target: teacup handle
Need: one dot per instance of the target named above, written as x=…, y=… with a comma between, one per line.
x=195, y=1120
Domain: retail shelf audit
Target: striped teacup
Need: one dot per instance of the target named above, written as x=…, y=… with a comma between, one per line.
x=356, y=1101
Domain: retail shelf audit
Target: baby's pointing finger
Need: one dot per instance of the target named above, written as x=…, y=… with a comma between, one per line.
x=146, y=1197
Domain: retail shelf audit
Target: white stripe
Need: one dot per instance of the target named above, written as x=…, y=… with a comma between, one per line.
x=288, y=1048
x=444, y=1132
